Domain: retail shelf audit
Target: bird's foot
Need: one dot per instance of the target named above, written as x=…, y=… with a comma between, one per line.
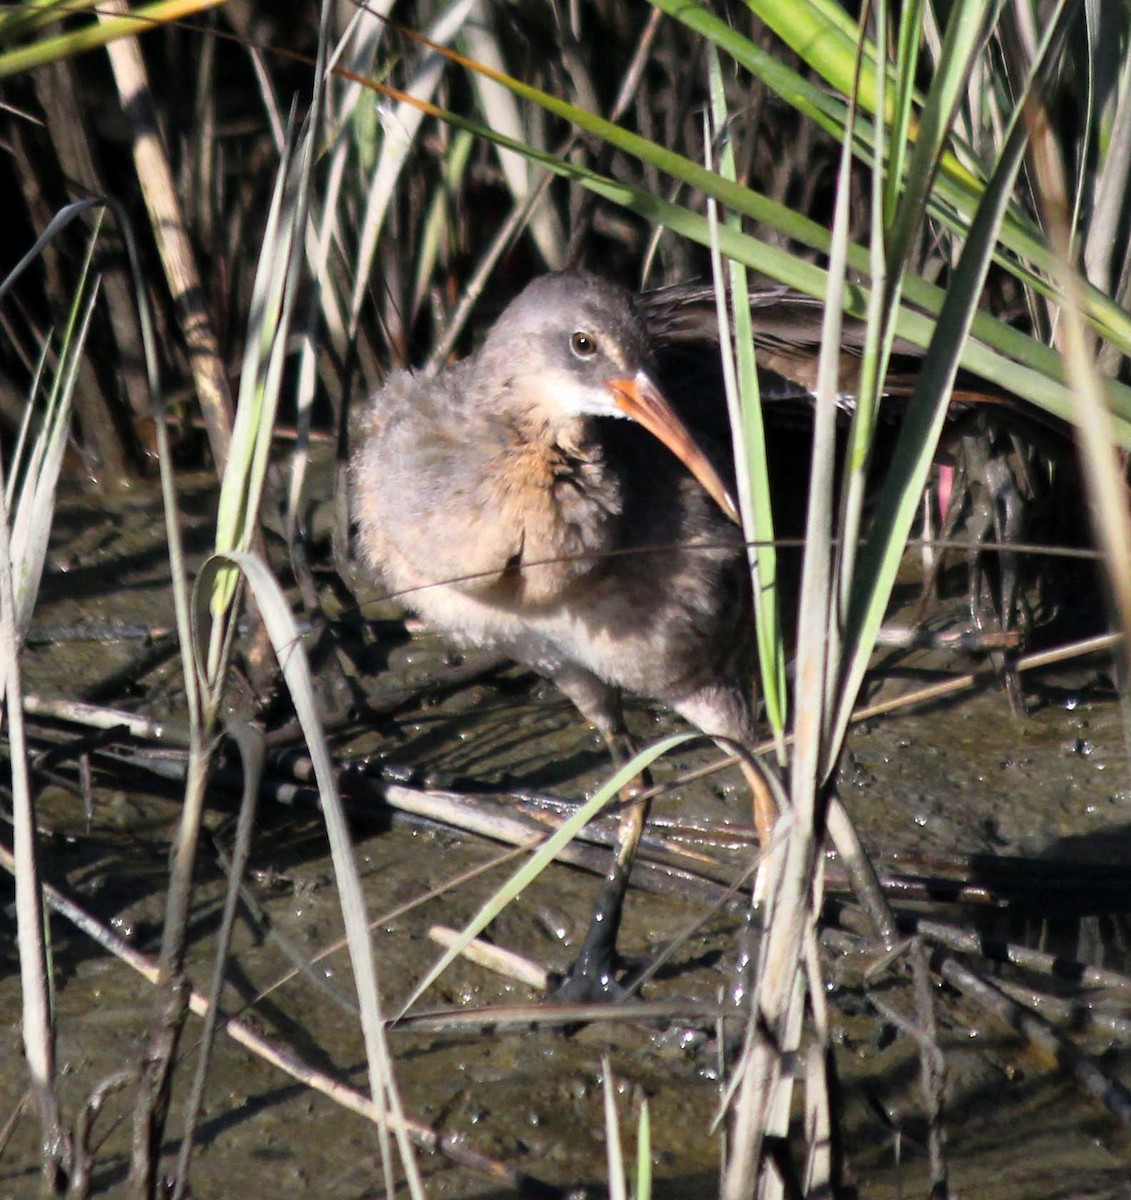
x=596, y=979
x=593, y=977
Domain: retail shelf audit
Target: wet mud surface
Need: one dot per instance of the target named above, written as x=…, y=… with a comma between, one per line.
x=944, y=793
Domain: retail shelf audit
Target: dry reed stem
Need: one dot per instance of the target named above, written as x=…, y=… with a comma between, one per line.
x=160, y=193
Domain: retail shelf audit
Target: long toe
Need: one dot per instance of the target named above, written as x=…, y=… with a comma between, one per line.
x=593, y=979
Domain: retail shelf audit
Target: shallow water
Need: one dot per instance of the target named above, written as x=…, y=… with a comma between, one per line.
x=965, y=778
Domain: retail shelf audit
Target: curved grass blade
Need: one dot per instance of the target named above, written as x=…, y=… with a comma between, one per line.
x=287, y=643
x=35, y=505
x=60, y=221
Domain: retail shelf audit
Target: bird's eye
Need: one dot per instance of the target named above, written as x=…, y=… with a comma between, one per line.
x=583, y=344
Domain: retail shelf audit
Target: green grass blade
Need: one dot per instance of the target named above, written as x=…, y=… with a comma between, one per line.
x=749, y=441
x=32, y=13
x=963, y=35
x=927, y=412
x=957, y=188
x=907, y=58
x=642, y=1187
x=96, y=34
x=995, y=352
x=265, y=349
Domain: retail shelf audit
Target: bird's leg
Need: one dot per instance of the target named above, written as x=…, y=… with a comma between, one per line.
x=593, y=974
x=726, y=712
x=592, y=977
x=766, y=810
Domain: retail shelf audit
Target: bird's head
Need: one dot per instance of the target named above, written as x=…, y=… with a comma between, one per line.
x=570, y=346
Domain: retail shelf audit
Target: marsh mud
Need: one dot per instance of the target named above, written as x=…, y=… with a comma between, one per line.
x=1010, y=826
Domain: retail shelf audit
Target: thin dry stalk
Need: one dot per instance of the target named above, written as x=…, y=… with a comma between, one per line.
x=494, y=958
x=794, y=883
x=1103, y=467
x=251, y=745
x=161, y=199
x=154, y=1076
x=38, y=1026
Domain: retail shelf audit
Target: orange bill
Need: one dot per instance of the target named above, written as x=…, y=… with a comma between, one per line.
x=642, y=400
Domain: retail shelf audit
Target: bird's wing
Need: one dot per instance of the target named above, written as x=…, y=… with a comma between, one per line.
x=787, y=336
